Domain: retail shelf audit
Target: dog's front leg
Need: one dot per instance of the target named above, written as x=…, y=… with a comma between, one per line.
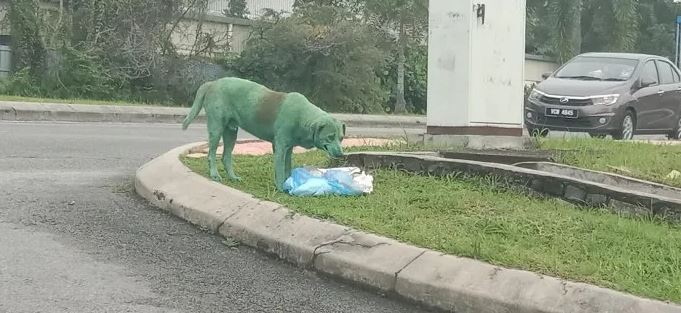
x=280, y=164
x=288, y=162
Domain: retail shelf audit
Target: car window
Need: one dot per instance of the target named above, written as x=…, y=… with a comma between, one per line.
x=666, y=72
x=598, y=68
x=677, y=78
x=649, y=73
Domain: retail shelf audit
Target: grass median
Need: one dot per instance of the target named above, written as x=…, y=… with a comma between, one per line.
x=478, y=218
x=636, y=159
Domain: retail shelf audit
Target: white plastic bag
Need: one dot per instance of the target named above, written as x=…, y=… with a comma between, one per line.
x=343, y=181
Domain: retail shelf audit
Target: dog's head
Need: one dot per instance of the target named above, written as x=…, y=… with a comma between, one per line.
x=328, y=136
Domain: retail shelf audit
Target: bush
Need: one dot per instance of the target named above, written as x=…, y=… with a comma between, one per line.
x=321, y=52
x=82, y=75
x=111, y=50
x=105, y=50
x=21, y=84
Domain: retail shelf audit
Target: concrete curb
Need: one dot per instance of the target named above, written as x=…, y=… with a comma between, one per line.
x=428, y=277
x=29, y=111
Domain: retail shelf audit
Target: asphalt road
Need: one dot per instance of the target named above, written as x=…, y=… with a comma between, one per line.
x=74, y=237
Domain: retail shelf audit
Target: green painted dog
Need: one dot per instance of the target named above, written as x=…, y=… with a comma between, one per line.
x=284, y=119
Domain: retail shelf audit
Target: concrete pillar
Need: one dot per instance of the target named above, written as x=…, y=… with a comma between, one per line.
x=476, y=58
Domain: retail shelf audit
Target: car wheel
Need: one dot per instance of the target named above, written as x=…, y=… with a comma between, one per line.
x=598, y=136
x=628, y=127
x=676, y=134
x=538, y=132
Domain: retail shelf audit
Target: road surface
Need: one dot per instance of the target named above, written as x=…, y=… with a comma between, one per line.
x=74, y=237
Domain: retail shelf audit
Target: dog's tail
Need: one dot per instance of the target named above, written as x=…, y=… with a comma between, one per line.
x=197, y=106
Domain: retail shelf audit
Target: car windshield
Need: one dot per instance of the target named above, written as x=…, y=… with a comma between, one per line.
x=598, y=68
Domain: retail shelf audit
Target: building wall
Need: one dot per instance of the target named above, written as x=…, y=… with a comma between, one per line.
x=535, y=66
x=240, y=34
x=185, y=35
x=255, y=7
x=227, y=32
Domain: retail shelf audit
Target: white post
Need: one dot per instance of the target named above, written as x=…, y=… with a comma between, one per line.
x=476, y=67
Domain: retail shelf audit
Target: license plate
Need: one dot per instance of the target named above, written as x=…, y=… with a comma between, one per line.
x=567, y=113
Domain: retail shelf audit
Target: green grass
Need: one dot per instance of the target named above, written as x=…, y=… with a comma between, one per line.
x=640, y=160
x=73, y=101
x=481, y=219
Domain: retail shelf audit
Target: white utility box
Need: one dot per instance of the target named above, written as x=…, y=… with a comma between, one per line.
x=476, y=62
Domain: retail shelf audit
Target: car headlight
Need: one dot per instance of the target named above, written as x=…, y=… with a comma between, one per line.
x=605, y=100
x=534, y=95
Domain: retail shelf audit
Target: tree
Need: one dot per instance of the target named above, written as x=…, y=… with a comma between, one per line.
x=566, y=35
x=237, y=8
x=405, y=22
x=402, y=24
x=322, y=52
x=28, y=47
x=575, y=26
x=657, y=27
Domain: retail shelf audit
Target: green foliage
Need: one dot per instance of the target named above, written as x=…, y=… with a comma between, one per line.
x=81, y=75
x=347, y=55
x=343, y=54
x=360, y=56
x=103, y=49
x=321, y=52
x=21, y=83
x=237, y=8
x=415, y=80
x=28, y=50
x=657, y=27
x=564, y=28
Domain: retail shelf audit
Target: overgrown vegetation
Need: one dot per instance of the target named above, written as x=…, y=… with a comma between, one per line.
x=482, y=219
x=564, y=28
x=105, y=49
x=350, y=56
x=320, y=52
x=362, y=56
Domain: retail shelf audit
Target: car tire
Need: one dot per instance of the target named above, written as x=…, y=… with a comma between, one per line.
x=627, y=128
x=676, y=133
x=538, y=132
x=598, y=136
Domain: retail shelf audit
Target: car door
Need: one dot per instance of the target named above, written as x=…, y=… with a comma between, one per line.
x=648, y=96
x=665, y=111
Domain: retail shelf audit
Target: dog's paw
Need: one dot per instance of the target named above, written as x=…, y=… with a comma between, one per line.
x=236, y=179
x=216, y=177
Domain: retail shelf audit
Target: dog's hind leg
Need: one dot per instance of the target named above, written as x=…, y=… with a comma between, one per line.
x=214, y=134
x=229, y=137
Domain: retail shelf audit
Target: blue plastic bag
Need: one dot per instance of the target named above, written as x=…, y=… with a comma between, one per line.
x=307, y=182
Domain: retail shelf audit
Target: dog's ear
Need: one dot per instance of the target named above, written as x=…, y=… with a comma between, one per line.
x=316, y=131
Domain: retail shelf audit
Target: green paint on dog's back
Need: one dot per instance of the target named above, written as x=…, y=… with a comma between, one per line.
x=269, y=105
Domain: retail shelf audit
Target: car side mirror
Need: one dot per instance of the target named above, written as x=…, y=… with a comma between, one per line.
x=644, y=84
x=546, y=75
